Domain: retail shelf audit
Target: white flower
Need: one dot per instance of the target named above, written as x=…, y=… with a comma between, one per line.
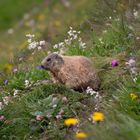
x=75, y=36
x=27, y=83
x=39, y=48
x=11, y=31
x=33, y=45
x=70, y=28
x=133, y=70
x=54, y=106
x=131, y=63
x=15, y=92
x=26, y=16
x=29, y=40
x=67, y=41
x=135, y=13
x=56, y=46
x=30, y=36
x=42, y=43
x=83, y=45
x=61, y=44
x=90, y=91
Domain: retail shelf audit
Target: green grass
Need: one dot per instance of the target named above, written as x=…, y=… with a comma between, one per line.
x=104, y=43
x=11, y=11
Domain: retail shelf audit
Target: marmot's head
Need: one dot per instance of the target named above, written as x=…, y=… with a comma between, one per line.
x=52, y=62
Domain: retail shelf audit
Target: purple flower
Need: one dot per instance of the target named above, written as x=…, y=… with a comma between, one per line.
x=40, y=67
x=6, y=82
x=15, y=70
x=114, y=63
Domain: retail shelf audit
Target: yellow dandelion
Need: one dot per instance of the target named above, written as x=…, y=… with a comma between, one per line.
x=71, y=121
x=133, y=96
x=26, y=24
x=8, y=68
x=81, y=135
x=57, y=23
x=41, y=17
x=98, y=116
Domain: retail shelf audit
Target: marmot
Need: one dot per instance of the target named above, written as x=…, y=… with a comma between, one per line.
x=75, y=72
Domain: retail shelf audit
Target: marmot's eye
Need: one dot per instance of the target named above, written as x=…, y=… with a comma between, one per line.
x=49, y=59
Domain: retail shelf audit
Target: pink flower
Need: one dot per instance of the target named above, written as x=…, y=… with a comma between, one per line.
x=2, y=118
x=6, y=99
x=1, y=105
x=114, y=63
x=39, y=117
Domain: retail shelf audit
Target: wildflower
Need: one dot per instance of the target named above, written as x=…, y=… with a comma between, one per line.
x=67, y=41
x=81, y=135
x=64, y=99
x=71, y=121
x=114, y=63
x=26, y=16
x=33, y=45
x=97, y=116
x=133, y=96
x=131, y=63
x=42, y=43
x=1, y=105
x=15, y=70
x=41, y=17
x=10, y=31
x=31, y=23
x=30, y=36
x=39, y=117
x=6, y=99
x=83, y=45
x=2, y=118
x=56, y=46
x=61, y=112
x=137, y=38
x=58, y=116
x=135, y=14
x=6, y=82
x=40, y=67
x=39, y=48
x=8, y=68
x=54, y=106
x=15, y=92
x=27, y=83
x=90, y=91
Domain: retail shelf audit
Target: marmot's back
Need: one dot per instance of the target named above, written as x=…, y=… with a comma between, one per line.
x=78, y=73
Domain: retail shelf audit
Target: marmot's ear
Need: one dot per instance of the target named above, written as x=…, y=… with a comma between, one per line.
x=56, y=55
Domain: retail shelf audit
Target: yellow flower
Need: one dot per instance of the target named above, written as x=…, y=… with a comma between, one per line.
x=71, y=121
x=8, y=68
x=57, y=23
x=98, y=116
x=133, y=96
x=81, y=135
x=41, y=17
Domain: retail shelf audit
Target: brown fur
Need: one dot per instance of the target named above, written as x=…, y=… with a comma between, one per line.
x=75, y=72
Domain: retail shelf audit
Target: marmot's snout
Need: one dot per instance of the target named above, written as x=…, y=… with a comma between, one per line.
x=45, y=63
